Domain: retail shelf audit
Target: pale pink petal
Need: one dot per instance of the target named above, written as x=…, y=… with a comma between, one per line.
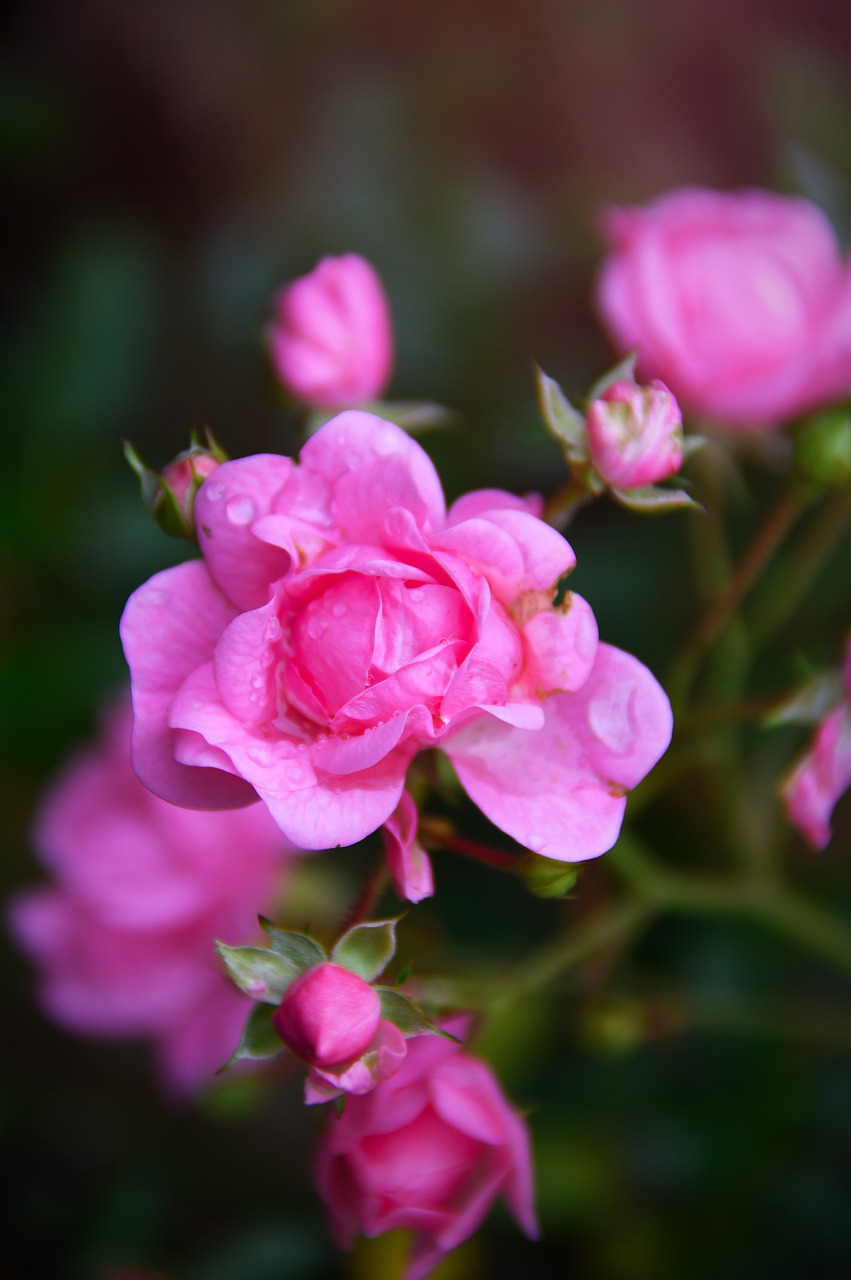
x=170, y=627
x=514, y=551
x=226, y=507
x=409, y=864
x=820, y=778
x=560, y=645
x=480, y=501
x=560, y=791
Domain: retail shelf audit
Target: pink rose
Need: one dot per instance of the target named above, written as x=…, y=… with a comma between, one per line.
x=331, y=1019
x=341, y=620
x=427, y=1151
x=123, y=938
x=330, y=340
x=635, y=434
x=823, y=774
x=740, y=302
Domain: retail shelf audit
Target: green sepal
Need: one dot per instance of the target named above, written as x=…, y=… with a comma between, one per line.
x=650, y=499
x=301, y=951
x=259, y=1039
x=623, y=371
x=366, y=949
x=407, y=1016
x=823, y=447
x=564, y=422
x=809, y=703
x=259, y=972
x=547, y=877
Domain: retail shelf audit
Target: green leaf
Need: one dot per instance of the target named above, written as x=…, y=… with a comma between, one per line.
x=623, y=371
x=366, y=949
x=259, y=1039
x=407, y=1016
x=260, y=973
x=810, y=702
x=565, y=423
x=300, y=950
x=692, y=444
x=650, y=500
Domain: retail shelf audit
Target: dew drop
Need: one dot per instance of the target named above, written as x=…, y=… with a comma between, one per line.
x=240, y=510
x=384, y=444
x=611, y=718
x=339, y=610
x=316, y=627
x=257, y=681
x=260, y=756
x=214, y=492
x=295, y=775
x=155, y=598
x=417, y=595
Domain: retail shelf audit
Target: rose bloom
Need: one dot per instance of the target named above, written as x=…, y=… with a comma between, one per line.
x=428, y=1151
x=823, y=773
x=330, y=340
x=740, y=302
x=341, y=620
x=635, y=434
x=123, y=937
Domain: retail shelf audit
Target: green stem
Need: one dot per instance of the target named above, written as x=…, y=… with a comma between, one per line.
x=757, y=555
x=782, y=594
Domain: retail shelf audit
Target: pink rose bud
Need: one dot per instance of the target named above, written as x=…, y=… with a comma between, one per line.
x=635, y=434
x=740, y=301
x=428, y=1151
x=329, y=1015
x=183, y=477
x=330, y=339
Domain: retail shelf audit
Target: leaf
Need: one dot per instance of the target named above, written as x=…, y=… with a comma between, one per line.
x=302, y=951
x=367, y=948
x=407, y=1016
x=565, y=423
x=260, y=973
x=623, y=371
x=650, y=500
x=259, y=1039
x=810, y=702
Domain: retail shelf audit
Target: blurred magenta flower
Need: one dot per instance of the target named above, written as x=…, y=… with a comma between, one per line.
x=740, y=302
x=823, y=774
x=330, y=339
x=123, y=938
x=341, y=621
x=427, y=1151
x=635, y=434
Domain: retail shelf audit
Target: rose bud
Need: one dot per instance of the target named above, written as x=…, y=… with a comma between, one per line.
x=330, y=339
x=328, y=1015
x=635, y=434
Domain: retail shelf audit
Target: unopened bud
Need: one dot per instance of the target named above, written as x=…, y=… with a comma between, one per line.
x=823, y=448
x=169, y=494
x=635, y=434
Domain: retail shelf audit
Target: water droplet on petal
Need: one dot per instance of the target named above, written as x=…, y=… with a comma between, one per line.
x=384, y=444
x=339, y=610
x=260, y=755
x=214, y=492
x=257, y=681
x=241, y=509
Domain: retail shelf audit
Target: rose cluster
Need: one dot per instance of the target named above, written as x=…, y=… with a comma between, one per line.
x=341, y=620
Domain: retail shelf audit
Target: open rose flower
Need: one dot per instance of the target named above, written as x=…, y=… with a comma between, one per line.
x=340, y=621
x=823, y=773
x=741, y=302
x=123, y=938
x=428, y=1151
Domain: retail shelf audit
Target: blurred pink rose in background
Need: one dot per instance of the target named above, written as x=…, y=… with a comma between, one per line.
x=123, y=938
x=428, y=1151
x=740, y=302
x=341, y=620
x=330, y=339
x=635, y=434
x=823, y=774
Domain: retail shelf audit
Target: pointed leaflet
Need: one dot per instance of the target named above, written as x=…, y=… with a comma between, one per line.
x=405, y=1015
x=259, y=1039
x=366, y=949
x=624, y=371
x=301, y=951
x=262, y=974
x=566, y=423
x=650, y=500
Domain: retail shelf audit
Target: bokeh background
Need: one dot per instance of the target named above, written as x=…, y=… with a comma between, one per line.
x=167, y=166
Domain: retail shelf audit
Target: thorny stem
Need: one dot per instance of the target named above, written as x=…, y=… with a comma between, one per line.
x=436, y=835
